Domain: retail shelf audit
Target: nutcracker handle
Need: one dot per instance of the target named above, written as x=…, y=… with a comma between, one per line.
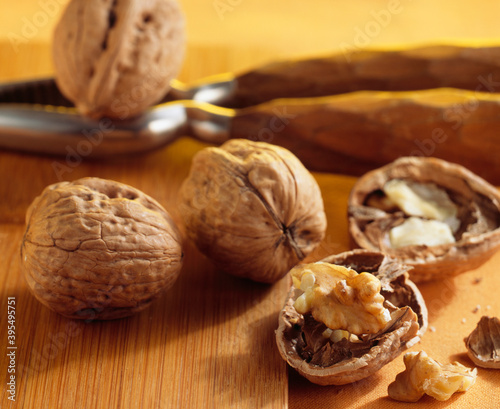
x=354, y=133
x=435, y=66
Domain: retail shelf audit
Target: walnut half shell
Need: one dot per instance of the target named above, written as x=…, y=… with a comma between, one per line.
x=98, y=249
x=301, y=341
x=467, y=205
x=483, y=344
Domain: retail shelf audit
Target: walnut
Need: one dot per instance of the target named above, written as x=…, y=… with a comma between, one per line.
x=424, y=375
x=433, y=215
x=116, y=58
x=252, y=208
x=483, y=344
x=340, y=297
x=98, y=249
x=335, y=356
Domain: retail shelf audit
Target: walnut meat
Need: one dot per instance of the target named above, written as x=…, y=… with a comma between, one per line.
x=425, y=376
x=116, y=58
x=98, y=249
x=483, y=344
x=340, y=297
x=334, y=356
x=433, y=215
x=252, y=208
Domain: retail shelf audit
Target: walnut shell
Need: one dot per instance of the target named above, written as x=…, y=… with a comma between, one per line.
x=98, y=249
x=252, y=208
x=478, y=204
x=302, y=345
x=116, y=58
x=483, y=344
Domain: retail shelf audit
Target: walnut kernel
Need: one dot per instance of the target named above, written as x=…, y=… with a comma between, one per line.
x=423, y=375
x=340, y=298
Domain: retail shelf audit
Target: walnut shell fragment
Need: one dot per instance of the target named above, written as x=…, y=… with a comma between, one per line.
x=252, y=208
x=303, y=345
x=448, y=203
x=98, y=249
x=116, y=58
x=483, y=344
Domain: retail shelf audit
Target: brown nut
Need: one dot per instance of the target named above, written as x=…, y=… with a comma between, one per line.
x=483, y=344
x=252, y=208
x=329, y=356
x=98, y=249
x=425, y=376
x=116, y=58
x=340, y=297
x=433, y=215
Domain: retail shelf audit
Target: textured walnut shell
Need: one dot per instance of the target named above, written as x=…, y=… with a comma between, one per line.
x=477, y=239
x=252, y=208
x=98, y=249
x=483, y=344
x=116, y=58
x=353, y=365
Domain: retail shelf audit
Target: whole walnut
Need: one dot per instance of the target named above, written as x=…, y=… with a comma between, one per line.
x=252, y=208
x=116, y=58
x=98, y=249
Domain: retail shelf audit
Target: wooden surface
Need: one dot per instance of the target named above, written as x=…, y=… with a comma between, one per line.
x=209, y=341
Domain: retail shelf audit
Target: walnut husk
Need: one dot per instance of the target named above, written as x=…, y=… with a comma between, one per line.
x=483, y=344
x=252, y=208
x=478, y=202
x=98, y=249
x=299, y=337
x=116, y=58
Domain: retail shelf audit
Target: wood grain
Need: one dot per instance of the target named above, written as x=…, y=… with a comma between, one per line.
x=207, y=343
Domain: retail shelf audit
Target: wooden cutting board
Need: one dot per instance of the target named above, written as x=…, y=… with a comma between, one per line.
x=208, y=342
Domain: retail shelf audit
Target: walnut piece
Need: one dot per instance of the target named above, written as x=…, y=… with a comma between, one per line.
x=252, y=208
x=340, y=298
x=423, y=375
x=433, y=215
x=423, y=200
x=334, y=356
x=483, y=344
x=116, y=58
x=98, y=249
x=415, y=231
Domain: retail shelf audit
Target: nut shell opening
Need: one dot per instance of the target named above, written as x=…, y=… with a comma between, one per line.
x=301, y=342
